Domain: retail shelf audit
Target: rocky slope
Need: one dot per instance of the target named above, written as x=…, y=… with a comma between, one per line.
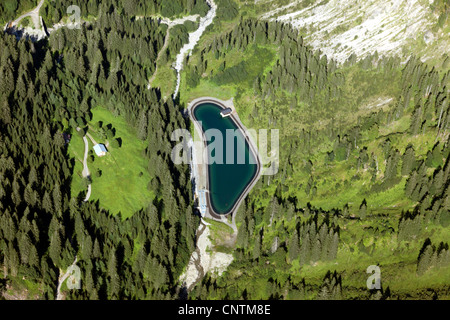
x=342, y=27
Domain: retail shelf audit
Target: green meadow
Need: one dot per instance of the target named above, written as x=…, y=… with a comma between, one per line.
x=122, y=184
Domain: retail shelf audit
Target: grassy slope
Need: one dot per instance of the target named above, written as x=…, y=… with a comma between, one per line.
x=289, y=123
x=431, y=52
x=120, y=188
x=165, y=79
x=397, y=260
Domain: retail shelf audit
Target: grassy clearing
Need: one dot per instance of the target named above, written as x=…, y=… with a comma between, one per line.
x=26, y=22
x=256, y=60
x=221, y=236
x=208, y=89
x=166, y=80
x=122, y=186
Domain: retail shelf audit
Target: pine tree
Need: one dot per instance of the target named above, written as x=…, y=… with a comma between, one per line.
x=57, y=199
x=257, y=248
x=363, y=209
x=391, y=165
x=96, y=252
x=408, y=160
x=142, y=125
x=424, y=259
x=305, y=250
x=316, y=250
x=416, y=121
x=33, y=257
x=55, y=247
x=13, y=260
x=86, y=247
x=24, y=247
x=332, y=253
x=114, y=282
x=294, y=248
x=88, y=280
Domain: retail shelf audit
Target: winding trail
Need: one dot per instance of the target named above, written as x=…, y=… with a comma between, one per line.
x=92, y=139
x=34, y=14
x=163, y=49
x=63, y=278
x=40, y=31
x=86, y=173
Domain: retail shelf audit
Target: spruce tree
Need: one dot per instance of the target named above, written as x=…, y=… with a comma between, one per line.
x=294, y=248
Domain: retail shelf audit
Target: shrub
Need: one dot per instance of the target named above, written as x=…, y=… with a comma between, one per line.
x=116, y=143
x=110, y=133
x=81, y=122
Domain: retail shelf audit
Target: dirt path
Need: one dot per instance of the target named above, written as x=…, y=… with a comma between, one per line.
x=163, y=49
x=40, y=31
x=170, y=24
x=92, y=139
x=86, y=173
x=63, y=278
x=34, y=14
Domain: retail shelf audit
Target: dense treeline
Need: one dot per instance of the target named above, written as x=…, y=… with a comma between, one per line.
x=49, y=88
x=410, y=225
x=53, y=12
x=331, y=288
x=35, y=173
x=263, y=233
x=280, y=289
x=431, y=256
x=432, y=191
x=226, y=9
x=312, y=243
x=336, y=114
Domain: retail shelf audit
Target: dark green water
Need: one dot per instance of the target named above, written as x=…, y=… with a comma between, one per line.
x=228, y=180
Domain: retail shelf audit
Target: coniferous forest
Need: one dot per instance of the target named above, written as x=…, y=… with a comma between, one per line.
x=48, y=88
x=364, y=176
